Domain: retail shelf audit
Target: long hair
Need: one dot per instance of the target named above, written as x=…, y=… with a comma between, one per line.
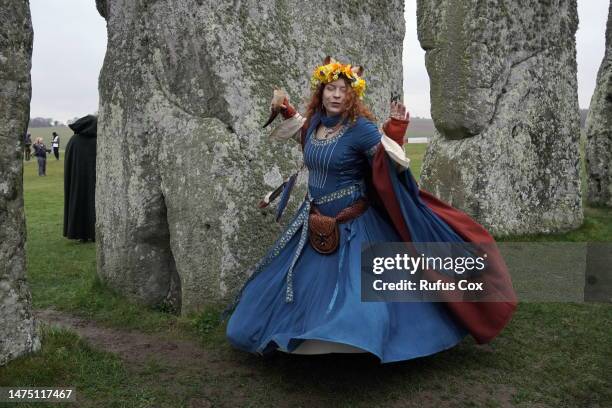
x=354, y=106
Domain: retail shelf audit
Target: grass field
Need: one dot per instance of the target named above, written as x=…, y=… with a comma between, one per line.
x=550, y=355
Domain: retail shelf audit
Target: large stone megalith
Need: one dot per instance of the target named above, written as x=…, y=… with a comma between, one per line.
x=18, y=331
x=182, y=159
x=599, y=130
x=505, y=106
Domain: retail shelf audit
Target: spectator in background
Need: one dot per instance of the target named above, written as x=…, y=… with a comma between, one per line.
x=28, y=146
x=55, y=141
x=80, y=180
x=40, y=151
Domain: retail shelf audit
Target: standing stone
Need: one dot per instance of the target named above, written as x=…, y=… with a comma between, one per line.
x=505, y=106
x=18, y=331
x=599, y=130
x=182, y=158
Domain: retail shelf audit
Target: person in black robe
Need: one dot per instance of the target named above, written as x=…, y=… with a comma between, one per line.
x=80, y=180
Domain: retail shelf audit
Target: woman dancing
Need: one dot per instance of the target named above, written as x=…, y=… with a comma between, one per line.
x=304, y=296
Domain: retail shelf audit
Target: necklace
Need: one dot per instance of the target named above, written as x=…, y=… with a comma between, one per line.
x=328, y=132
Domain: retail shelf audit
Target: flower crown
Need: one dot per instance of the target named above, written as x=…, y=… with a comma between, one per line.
x=331, y=71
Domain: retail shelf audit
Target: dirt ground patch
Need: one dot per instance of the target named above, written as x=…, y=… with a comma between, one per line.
x=182, y=365
x=130, y=345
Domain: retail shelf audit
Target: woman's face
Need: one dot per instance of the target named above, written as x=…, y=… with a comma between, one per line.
x=334, y=97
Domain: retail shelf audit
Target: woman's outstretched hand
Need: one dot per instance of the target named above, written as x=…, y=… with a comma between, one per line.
x=395, y=129
x=398, y=111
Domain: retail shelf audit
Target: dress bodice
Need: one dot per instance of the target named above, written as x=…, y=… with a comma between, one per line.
x=342, y=160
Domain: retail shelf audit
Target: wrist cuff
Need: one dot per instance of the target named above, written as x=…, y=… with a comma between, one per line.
x=290, y=111
x=396, y=129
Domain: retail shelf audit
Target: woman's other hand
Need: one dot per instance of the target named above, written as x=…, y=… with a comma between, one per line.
x=287, y=109
x=397, y=123
x=280, y=104
x=398, y=111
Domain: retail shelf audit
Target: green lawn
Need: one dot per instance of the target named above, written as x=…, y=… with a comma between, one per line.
x=550, y=355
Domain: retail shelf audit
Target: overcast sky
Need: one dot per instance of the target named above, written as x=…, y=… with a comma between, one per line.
x=70, y=41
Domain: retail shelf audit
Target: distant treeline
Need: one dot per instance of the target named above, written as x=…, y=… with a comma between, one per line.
x=44, y=122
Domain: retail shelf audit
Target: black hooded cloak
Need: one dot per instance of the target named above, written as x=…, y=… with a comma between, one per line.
x=80, y=180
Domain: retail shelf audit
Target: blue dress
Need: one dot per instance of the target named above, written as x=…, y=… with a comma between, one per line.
x=297, y=297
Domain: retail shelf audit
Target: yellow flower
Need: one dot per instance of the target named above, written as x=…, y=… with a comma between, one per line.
x=330, y=72
x=359, y=86
x=346, y=70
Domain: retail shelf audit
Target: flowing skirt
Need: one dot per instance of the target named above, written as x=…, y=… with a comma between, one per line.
x=327, y=310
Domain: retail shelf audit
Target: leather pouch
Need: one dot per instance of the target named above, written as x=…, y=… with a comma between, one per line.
x=323, y=233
